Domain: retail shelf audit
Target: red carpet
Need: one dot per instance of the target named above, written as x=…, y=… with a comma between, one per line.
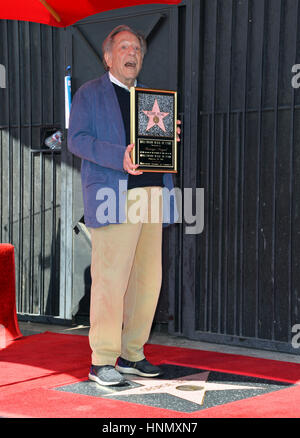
x=9, y=328
x=33, y=367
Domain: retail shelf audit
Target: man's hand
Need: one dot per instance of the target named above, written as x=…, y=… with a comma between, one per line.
x=131, y=168
x=178, y=130
x=128, y=166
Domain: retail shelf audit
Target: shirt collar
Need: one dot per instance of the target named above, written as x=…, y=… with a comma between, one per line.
x=117, y=82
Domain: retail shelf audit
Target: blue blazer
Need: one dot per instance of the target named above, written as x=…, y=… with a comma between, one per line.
x=97, y=135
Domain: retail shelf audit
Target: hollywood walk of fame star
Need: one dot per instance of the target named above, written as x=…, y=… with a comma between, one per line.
x=156, y=117
x=191, y=388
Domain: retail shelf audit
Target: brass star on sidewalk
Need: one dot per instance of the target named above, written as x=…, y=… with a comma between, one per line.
x=191, y=388
x=156, y=117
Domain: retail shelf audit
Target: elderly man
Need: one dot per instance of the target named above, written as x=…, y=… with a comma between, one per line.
x=126, y=254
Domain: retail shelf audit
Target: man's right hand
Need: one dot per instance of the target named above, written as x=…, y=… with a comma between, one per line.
x=128, y=166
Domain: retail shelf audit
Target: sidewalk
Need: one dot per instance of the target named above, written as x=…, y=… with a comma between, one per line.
x=30, y=328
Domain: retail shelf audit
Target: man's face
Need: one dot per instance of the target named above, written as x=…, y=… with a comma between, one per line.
x=125, y=58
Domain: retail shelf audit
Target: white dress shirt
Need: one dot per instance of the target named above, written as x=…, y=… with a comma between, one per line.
x=117, y=82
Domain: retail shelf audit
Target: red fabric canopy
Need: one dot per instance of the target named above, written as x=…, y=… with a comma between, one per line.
x=62, y=13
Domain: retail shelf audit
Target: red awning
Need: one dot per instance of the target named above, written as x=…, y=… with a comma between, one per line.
x=62, y=13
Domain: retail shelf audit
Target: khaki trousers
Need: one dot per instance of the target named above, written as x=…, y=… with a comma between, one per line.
x=126, y=276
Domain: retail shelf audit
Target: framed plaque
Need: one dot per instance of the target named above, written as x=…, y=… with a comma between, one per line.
x=153, y=124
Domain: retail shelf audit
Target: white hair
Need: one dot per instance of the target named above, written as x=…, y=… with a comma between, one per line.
x=108, y=42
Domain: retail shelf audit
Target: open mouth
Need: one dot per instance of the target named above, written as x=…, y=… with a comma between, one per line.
x=130, y=64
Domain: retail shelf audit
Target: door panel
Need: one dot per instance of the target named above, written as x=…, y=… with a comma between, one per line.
x=159, y=25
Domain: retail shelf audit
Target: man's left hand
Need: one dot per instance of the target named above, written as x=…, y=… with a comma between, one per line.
x=178, y=130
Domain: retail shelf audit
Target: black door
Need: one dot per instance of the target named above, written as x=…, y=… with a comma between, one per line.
x=241, y=275
x=32, y=107
x=160, y=26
